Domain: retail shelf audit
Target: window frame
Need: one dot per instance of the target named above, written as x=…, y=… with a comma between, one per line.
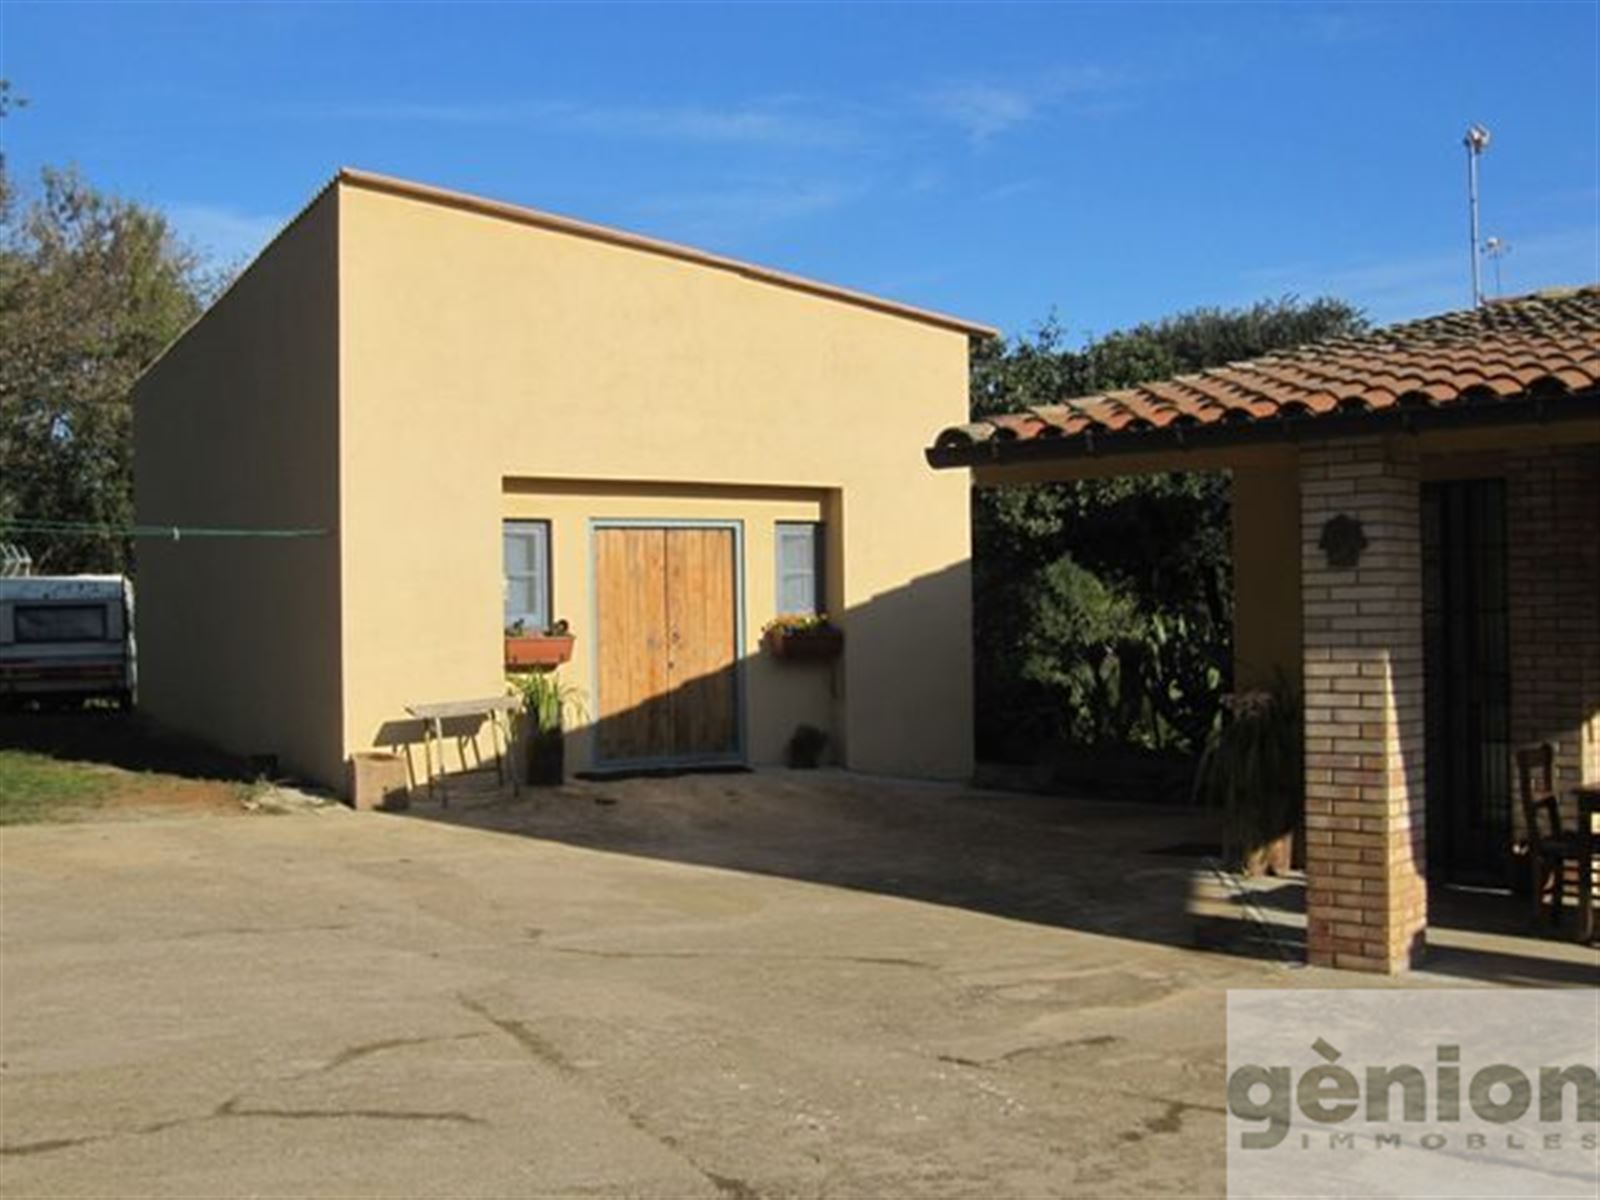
x=542, y=574
x=819, y=541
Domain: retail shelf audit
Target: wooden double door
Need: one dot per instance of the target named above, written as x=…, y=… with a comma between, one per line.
x=667, y=627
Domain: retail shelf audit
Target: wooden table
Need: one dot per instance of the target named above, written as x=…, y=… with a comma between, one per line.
x=1588, y=843
x=494, y=710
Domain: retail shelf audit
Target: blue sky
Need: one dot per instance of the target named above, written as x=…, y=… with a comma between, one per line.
x=1112, y=163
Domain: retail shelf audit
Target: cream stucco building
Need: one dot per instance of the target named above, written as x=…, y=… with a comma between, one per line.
x=421, y=383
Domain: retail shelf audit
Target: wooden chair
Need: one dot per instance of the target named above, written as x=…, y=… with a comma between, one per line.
x=1550, y=847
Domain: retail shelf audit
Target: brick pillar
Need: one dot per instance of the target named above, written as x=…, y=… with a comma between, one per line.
x=1366, y=896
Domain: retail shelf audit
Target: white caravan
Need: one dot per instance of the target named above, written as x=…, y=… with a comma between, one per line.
x=67, y=637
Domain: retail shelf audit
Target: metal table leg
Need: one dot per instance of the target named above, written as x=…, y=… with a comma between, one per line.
x=444, y=788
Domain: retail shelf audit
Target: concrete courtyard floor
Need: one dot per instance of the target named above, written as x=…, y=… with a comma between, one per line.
x=739, y=986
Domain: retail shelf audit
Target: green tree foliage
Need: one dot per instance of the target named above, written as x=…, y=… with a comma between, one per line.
x=91, y=288
x=1103, y=608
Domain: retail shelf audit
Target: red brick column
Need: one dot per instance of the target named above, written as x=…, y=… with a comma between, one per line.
x=1366, y=897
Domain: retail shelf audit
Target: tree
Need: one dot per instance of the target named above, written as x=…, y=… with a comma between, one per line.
x=1103, y=608
x=92, y=287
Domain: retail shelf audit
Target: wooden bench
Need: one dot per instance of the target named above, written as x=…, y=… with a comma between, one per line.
x=494, y=710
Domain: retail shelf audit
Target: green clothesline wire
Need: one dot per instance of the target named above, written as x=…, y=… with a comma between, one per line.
x=174, y=533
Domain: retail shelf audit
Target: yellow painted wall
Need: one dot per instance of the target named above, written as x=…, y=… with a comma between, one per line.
x=478, y=350
x=1266, y=574
x=237, y=425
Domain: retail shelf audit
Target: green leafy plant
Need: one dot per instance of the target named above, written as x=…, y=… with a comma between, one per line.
x=92, y=286
x=546, y=700
x=1253, y=771
x=1146, y=559
x=519, y=628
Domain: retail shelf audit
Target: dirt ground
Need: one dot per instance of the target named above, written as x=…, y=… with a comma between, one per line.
x=763, y=985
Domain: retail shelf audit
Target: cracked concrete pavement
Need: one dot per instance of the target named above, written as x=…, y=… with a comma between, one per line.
x=766, y=985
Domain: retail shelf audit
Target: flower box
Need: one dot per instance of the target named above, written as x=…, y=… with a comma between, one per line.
x=537, y=650
x=813, y=643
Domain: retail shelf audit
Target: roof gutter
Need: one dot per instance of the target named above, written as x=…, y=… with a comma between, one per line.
x=1525, y=410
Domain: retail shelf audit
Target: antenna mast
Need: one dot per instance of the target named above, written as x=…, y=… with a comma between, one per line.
x=1476, y=142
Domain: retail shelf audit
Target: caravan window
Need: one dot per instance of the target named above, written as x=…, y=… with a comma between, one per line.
x=60, y=622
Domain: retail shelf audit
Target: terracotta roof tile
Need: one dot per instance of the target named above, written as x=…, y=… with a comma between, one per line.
x=1543, y=346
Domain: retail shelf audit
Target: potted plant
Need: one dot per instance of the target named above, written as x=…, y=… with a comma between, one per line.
x=805, y=748
x=807, y=638
x=545, y=702
x=529, y=650
x=1253, y=770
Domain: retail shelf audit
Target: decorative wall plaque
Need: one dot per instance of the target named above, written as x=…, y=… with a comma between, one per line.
x=1343, y=540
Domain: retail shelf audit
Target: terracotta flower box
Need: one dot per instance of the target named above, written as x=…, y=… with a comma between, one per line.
x=817, y=643
x=537, y=650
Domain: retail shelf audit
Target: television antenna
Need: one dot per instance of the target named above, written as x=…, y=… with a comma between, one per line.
x=1476, y=141
x=1494, y=249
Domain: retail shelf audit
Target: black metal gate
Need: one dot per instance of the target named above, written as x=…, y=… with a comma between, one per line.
x=1467, y=677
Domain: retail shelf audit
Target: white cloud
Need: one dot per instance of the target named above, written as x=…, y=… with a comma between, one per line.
x=983, y=109
x=1010, y=190
x=224, y=235
x=753, y=125
x=1335, y=26
x=781, y=122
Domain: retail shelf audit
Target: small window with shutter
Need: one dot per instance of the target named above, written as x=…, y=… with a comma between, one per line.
x=527, y=568
x=800, y=549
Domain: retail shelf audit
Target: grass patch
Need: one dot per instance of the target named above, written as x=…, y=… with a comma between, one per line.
x=103, y=765
x=36, y=787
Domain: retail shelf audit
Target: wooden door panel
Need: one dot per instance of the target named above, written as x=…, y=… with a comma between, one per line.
x=652, y=682
x=682, y=639
x=700, y=604
x=614, y=637
x=631, y=612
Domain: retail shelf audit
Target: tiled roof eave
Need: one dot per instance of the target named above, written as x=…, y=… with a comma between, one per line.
x=1543, y=347
x=1180, y=441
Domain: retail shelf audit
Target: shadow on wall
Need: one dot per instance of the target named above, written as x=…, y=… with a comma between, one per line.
x=897, y=702
x=466, y=738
